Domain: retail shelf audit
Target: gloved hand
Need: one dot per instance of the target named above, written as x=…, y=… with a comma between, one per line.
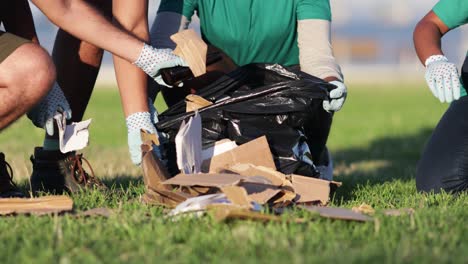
x=42, y=115
x=337, y=96
x=442, y=78
x=136, y=122
x=152, y=60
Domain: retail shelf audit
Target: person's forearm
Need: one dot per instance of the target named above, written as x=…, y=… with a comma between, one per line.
x=92, y=27
x=427, y=36
x=132, y=81
x=315, y=50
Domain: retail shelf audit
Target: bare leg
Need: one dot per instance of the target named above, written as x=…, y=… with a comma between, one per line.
x=25, y=77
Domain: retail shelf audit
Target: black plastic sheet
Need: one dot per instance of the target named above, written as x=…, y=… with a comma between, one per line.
x=258, y=100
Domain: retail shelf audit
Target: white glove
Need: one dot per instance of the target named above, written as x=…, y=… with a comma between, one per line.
x=152, y=60
x=442, y=78
x=42, y=115
x=337, y=96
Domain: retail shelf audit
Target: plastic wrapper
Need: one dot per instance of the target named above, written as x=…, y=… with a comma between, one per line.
x=258, y=100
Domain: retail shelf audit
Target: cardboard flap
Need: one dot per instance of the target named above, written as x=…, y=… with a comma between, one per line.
x=237, y=195
x=145, y=137
x=310, y=190
x=192, y=49
x=256, y=152
x=39, y=206
x=338, y=213
x=195, y=102
x=205, y=180
x=154, y=171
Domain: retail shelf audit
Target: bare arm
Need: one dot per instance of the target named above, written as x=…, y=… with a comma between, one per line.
x=93, y=27
x=132, y=16
x=427, y=36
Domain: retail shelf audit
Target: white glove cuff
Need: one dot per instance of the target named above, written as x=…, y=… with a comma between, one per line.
x=140, y=120
x=435, y=58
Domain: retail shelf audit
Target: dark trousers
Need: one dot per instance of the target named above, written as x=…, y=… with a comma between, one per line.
x=444, y=162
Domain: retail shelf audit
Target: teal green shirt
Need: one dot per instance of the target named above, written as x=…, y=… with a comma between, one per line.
x=252, y=31
x=453, y=13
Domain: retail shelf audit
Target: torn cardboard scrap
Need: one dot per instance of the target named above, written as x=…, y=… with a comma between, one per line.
x=338, y=213
x=192, y=49
x=37, y=206
x=312, y=190
x=256, y=152
x=195, y=102
x=72, y=137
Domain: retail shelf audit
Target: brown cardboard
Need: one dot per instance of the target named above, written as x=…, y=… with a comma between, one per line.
x=338, y=213
x=192, y=49
x=147, y=137
x=164, y=197
x=276, y=178
x=225, y=212
x=153, y=171
x=39, y=206
x=312, y=190
x=195, y=102
x=256, y=152
x=237, y=195
x=260, y=193
x=205, y=180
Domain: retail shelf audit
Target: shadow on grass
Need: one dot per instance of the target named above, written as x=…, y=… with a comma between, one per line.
x=383, y=160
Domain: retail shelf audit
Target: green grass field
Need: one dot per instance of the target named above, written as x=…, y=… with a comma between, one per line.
x=376, y=141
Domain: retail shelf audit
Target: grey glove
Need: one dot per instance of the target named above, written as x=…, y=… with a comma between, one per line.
x=42, y=115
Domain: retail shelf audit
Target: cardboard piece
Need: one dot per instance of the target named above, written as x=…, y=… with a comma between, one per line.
x=256, y=152
x=237, y=195
x=147, y=137
x=226, y=212
x=259, y=192
x=38, y=206
x=154, y=173
x=188, y=145
x=338, y=213
x=195, y=102
x=312, y=190
x=205, y=180
x=192, y=49
x=276, y=178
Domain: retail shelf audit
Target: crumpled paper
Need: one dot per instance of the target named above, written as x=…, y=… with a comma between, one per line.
x=74, y=136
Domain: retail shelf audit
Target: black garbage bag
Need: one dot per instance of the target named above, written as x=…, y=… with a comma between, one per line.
x=253, y=101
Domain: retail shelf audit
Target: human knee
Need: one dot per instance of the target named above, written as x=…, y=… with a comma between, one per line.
x=38, y=68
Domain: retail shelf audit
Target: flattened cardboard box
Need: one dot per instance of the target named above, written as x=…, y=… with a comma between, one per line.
x=256, y=152
x=312, y=190
x=38, y=206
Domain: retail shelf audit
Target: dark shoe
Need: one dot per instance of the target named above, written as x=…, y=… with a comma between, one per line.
x=56, y=172
x=8, y=188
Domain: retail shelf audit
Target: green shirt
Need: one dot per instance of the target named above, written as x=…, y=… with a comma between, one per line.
x=453, y=13
x=252, y=31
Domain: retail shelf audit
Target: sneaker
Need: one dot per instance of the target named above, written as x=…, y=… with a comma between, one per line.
x=8, y=188
x=325, y=166
x=55, y=172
